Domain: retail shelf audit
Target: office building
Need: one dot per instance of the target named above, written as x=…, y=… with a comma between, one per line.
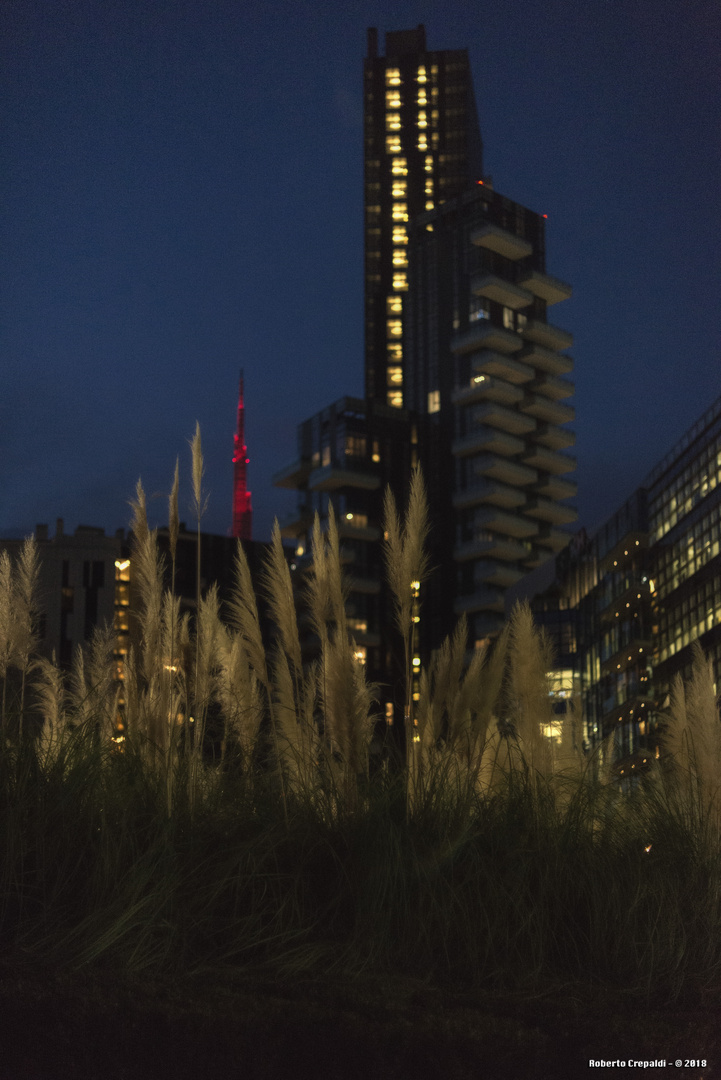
x=634, y=597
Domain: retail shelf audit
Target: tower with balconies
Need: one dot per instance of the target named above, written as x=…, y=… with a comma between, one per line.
x=488, y=371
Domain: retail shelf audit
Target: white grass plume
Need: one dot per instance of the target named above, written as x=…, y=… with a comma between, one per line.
x=49, y=691
x=279, y=592
x=692, y=739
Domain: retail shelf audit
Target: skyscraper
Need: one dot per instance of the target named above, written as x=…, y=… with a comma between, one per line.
x=422, y=145
x=485, y=374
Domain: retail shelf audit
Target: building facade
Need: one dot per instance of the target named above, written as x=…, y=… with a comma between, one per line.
x=488, y=372
x=422, y=145
x=634, y=598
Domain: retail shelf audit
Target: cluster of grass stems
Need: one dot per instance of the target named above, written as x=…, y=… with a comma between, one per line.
x=490, y=857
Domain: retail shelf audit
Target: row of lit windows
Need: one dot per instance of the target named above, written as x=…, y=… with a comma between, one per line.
x=393, y=75
x=393, y=142
x=686, y=490
x=684, y=558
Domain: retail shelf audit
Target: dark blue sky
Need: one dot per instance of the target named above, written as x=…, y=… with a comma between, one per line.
x=184, y=196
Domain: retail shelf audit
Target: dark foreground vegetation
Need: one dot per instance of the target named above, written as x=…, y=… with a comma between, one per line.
x=495, y=906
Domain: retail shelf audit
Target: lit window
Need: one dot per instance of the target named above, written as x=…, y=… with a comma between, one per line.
x=400, y=211
x=393, y=144
x=394, y=327
x=359, y=654
x=508, y=318
x=394, y=376
x=400, y=234
x=422, y=121
x=395, y=352
x=393, y=121
x=400, y=282
x=399, y=166
x=422, y=142
x=479, y=308
x=521, y=320
x=394, y=398
x=393, y=99
x=434, y=401
x=399, y=257
x=429, y=186
x=399, y=189
x=429, y=163
x=421, y=76
x=422, y=99
x=393, y=77
x=394, y=305
x=376, y=455
x=429, y=204
x=358, y=624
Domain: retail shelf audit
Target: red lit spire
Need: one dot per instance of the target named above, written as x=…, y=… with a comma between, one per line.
x=242, y=511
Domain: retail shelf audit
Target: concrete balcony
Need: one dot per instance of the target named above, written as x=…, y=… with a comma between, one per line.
x=347, y=530
x=553, y=539
x=491, y=492
x=490, y=440
x=494, y=238
x=550, y=289
x=486, y=335
x=508, y=471
x=555, y=488
x=551, y=511
x=546, y=360
x=498, y=416
x=503, y=292
x=504, y=366
x=553, y=387
x=499, y=547
x=295, y=523
x=367, y=586
x=551, y=337
x=482, y=599
x=332, y=477
x=540, y=458
x=293, y=475
x=555, y=438
x=494, y=520
x=486, y=388
x=547, y=410
x=493, y=572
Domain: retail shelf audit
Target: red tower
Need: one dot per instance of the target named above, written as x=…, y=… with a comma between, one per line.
x=242, y=511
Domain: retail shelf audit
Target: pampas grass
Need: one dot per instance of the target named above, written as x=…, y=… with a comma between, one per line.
x=488, y=859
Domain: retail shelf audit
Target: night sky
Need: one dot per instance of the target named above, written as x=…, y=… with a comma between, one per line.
x=184, y=197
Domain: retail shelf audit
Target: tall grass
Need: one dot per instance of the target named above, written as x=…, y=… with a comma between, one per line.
x=491, y=858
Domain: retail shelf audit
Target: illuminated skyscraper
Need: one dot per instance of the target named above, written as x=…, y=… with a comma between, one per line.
x=422, y=146
x=242, y=511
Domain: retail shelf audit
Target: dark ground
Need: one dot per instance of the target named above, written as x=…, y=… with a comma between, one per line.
x=57, y=1026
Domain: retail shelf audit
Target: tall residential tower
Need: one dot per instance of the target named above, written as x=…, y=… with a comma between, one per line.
x=422, y=146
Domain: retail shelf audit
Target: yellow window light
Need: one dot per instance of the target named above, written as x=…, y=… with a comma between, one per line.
x=399, y=189
x=394, y=398
x=393, y=77
x=394, y=305
x=422, y=121
x=399, y=257
x=393, y=121
x=393, y=99
x=394, y=375
x=400, y=234
x=429, y=204
x=399, y=166
x=400, y=211
x=422, y=142
x=393, y=144
x=395, y=327
x=400, y=282
x=421, y=76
